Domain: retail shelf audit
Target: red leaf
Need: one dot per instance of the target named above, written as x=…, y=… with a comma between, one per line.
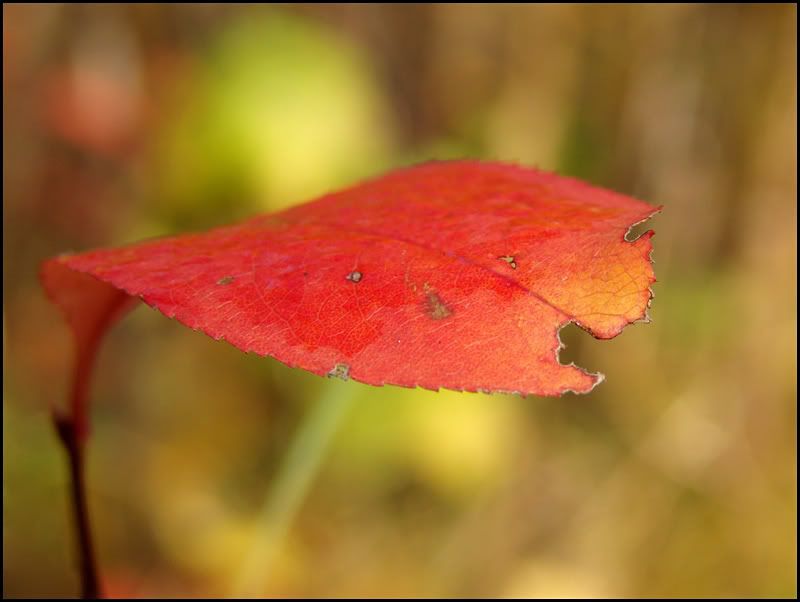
x=449, y=274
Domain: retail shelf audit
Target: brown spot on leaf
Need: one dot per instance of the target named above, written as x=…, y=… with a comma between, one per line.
x=340, y=371
x=434, y=306
x=355, y=276
x=226, y=280
x=509, y=259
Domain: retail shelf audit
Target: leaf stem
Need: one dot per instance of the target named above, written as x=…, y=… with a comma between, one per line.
x=69, y=435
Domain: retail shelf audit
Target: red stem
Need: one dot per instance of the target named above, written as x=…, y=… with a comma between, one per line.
x=90, y=307
x=73, y=431
x=69, y=435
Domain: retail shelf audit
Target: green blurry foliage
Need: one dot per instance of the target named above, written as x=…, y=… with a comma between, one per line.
x=278, y=110
x=400, y=437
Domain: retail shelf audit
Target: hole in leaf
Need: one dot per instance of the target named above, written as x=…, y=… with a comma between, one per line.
x=636, y=230
x=573, y=339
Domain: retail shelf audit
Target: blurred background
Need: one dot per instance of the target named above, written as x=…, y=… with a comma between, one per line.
x=675, y=477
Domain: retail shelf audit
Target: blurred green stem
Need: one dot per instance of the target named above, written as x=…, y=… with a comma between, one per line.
x=290, y=487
